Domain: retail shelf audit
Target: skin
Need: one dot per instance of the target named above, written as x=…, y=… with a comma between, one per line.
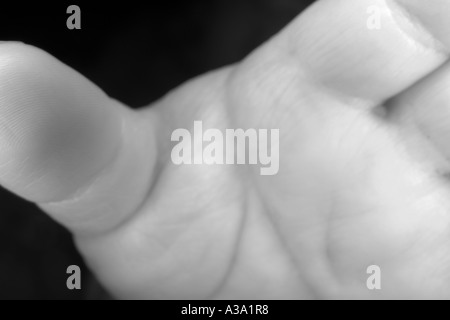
x=363, y=117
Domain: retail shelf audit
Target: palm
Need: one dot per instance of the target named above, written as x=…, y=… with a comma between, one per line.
x=348, y=196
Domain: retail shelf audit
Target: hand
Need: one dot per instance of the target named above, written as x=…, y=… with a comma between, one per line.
x=364, y=120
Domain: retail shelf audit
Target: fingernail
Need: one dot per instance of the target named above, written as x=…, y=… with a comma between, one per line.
x=428, y=22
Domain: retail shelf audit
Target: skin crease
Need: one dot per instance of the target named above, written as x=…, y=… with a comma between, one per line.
x=361, y=180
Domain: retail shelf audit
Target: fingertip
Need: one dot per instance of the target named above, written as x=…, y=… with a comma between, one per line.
x=351, y=51
x=57, y=129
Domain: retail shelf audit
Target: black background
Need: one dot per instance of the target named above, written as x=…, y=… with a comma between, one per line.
x=136, y=52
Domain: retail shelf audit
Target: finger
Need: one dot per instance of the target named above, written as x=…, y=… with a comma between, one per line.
x=365, y=49
x=65, y=145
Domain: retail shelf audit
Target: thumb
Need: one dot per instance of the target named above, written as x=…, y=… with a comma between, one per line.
x=81, y=156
